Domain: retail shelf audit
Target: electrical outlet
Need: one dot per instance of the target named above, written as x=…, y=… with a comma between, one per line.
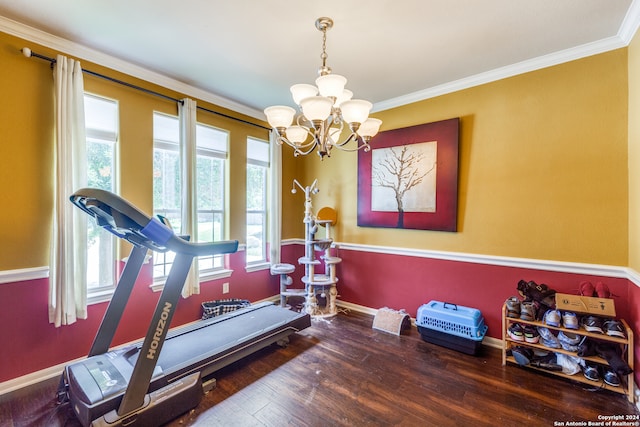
x=225, y=288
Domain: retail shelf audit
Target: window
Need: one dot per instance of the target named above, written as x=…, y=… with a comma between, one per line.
x=210, y=181
x=257, y=172
x=166, y=182
x=101, y=124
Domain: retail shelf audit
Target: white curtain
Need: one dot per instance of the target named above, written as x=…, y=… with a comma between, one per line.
x=187, y=116
x=275, y=210
x=68, y=258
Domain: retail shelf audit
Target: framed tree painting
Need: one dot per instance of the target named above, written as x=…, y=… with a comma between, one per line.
x=409, y=179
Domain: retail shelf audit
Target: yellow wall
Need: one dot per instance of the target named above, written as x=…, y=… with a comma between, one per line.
x=26, y=151
x=542, y=167
x=634, y=153
x=543, y=162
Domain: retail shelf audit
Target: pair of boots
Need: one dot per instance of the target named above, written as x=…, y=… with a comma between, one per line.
x=610, y=352
x=540, y=294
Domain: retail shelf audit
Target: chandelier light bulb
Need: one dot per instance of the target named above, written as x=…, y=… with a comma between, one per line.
x=334, y=135
x=331, y=85
x=279, y=116
x=302, y=91
x=345, y=96
x=296, y=134
x=316, y=107
x=369, y=128
x=355, y=110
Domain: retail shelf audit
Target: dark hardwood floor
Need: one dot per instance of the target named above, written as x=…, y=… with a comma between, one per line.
x=341, y=372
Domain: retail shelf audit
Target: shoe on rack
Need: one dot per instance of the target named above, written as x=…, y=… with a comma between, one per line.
x=547, y=338
x=552, y=318
x=513, y=307
x=531, y=291
x=570, y=320
x=528, y=311
x=592, y=324
x=587, y=347
x=591, y=373
x=612, y=353
x=516, y=332
x=602, y=290
x=569, y=341
x=570, y=364
x=522, y=355
x=587, y=289
x=549, y=366
x=614, y=328
x=531, y=334
x=611, y=378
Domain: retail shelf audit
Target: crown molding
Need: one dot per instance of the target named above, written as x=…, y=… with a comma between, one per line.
x=522, y=67
x=68, y=47
x=630, y=23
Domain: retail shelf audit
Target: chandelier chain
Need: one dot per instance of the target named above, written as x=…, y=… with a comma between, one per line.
x=324, y=55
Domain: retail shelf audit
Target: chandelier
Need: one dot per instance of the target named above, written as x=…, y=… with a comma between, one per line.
x=325, y=109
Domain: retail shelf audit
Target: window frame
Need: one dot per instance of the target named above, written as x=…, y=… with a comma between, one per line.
x=263, y=262
x=102, y=293
x=219, y=268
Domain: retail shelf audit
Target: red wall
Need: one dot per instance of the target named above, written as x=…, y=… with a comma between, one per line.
x=633, y=318
x=406, y=282
x=366, y=278
x=31, y=343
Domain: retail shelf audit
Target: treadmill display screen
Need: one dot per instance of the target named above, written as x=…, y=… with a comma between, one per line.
x=106, y=376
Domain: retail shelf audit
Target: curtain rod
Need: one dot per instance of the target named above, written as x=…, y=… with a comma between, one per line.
x=28, y=53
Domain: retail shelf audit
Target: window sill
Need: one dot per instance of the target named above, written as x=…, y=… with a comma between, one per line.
x=258, y=266
x=157, y=286
x=100, y=296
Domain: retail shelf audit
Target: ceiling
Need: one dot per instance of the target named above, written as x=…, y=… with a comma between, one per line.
x=246, y=53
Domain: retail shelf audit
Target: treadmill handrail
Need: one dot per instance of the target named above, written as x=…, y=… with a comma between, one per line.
x=126, y=221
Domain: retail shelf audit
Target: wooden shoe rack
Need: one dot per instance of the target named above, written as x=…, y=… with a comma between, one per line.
x=627, y=384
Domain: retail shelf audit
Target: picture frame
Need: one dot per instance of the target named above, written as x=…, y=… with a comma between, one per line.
x=409, y=179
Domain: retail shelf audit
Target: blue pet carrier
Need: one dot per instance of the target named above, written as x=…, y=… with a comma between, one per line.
x=452, y=326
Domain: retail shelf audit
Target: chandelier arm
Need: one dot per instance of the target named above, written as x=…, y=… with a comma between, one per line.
x=365, y=147
x=298, y=147
x=352, y=137
x=304, y=123
x=362, y=145
x=297, y=151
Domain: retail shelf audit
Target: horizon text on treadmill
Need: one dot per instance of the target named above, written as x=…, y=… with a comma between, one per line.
x=162, y=324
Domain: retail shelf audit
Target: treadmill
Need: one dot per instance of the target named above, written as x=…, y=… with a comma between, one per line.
x=151, y=382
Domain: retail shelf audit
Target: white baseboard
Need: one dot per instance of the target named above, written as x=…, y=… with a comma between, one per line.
x=34, y=377
x=356, y=307
x=492, y=342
